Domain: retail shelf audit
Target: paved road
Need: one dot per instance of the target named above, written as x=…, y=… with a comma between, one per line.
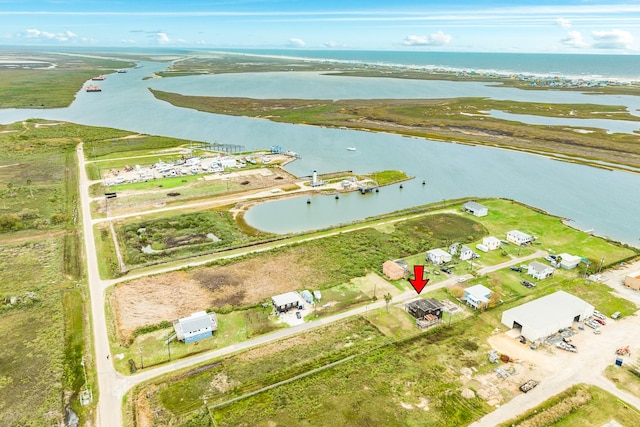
x=108, y=410
x=585, y=366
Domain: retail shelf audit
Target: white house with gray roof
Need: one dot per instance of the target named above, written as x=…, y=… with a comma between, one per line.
x=518, y=237
x=539, y=270
x=438, y=256
x=286, y=301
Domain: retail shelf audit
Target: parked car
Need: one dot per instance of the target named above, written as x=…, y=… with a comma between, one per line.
x=462, y=279
x=528, y=284
x=445, y=270
x=529, y=385
x=599, y=315
x=616, y=315
x=298, y=315
x=518, y=269
x=592, y=324
x=602, y=322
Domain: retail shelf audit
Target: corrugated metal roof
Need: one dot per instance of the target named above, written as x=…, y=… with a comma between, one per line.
x=550, y=309
x=286, y=299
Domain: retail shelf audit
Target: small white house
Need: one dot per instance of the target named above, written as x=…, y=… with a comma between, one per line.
x=518, y=237
x=477, y=296
x=466, y=253
x=438, y=256
x=492, y=243
x=539, y=271
x=475, y=209
x=569, y=261
x=284, y=302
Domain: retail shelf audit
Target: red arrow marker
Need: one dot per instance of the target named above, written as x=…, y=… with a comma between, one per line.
x=419, y=282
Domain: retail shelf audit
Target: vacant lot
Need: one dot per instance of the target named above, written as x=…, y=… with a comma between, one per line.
x=317, y=264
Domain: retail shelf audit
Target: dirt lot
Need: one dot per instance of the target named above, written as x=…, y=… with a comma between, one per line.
x=151, y=300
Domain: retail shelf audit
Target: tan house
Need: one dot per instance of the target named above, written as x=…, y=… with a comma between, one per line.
x=632, y=280
x=393, y=270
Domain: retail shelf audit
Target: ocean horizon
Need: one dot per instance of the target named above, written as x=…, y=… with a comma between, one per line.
x=575, y=66
x=602, y=67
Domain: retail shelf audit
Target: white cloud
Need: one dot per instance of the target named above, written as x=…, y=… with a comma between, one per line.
x=162, y=38
x=614, y=39
x=334, y=45
x=296, y=42
x=574, y=39
x=436, y=39
x=564, y=23
x=32, y=33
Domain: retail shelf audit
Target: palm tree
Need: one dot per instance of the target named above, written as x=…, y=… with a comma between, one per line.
x=387, y=300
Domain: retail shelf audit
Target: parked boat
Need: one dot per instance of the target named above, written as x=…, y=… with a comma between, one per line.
x=351, y=148
x=93, y=89
x=122, y=71
x=101, y=77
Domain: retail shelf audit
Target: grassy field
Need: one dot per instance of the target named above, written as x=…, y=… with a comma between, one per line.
x=626, y=376
x=149, y=348
x=579, y=406
x=460, y=119
x=54, y=87
x=43, y=301
x=385, y=383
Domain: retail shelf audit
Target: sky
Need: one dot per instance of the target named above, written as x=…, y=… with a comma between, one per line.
x=536, y=26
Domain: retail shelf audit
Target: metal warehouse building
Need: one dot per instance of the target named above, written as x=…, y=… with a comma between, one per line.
x=547, y=315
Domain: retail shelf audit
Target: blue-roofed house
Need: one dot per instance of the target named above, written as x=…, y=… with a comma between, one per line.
x=195, y=327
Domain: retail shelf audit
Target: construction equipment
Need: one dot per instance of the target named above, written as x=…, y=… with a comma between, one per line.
x=622, y=351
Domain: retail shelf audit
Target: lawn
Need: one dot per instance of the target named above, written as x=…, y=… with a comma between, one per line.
x=150, y=348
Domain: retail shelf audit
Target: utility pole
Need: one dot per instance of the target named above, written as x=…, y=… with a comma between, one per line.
x=141, y=362
x=169, y=348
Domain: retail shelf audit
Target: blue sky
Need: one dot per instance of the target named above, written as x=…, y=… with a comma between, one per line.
x=561, y=26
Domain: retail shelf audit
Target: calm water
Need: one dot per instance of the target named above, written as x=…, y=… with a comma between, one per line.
x=608, y=202
x=618, y=67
